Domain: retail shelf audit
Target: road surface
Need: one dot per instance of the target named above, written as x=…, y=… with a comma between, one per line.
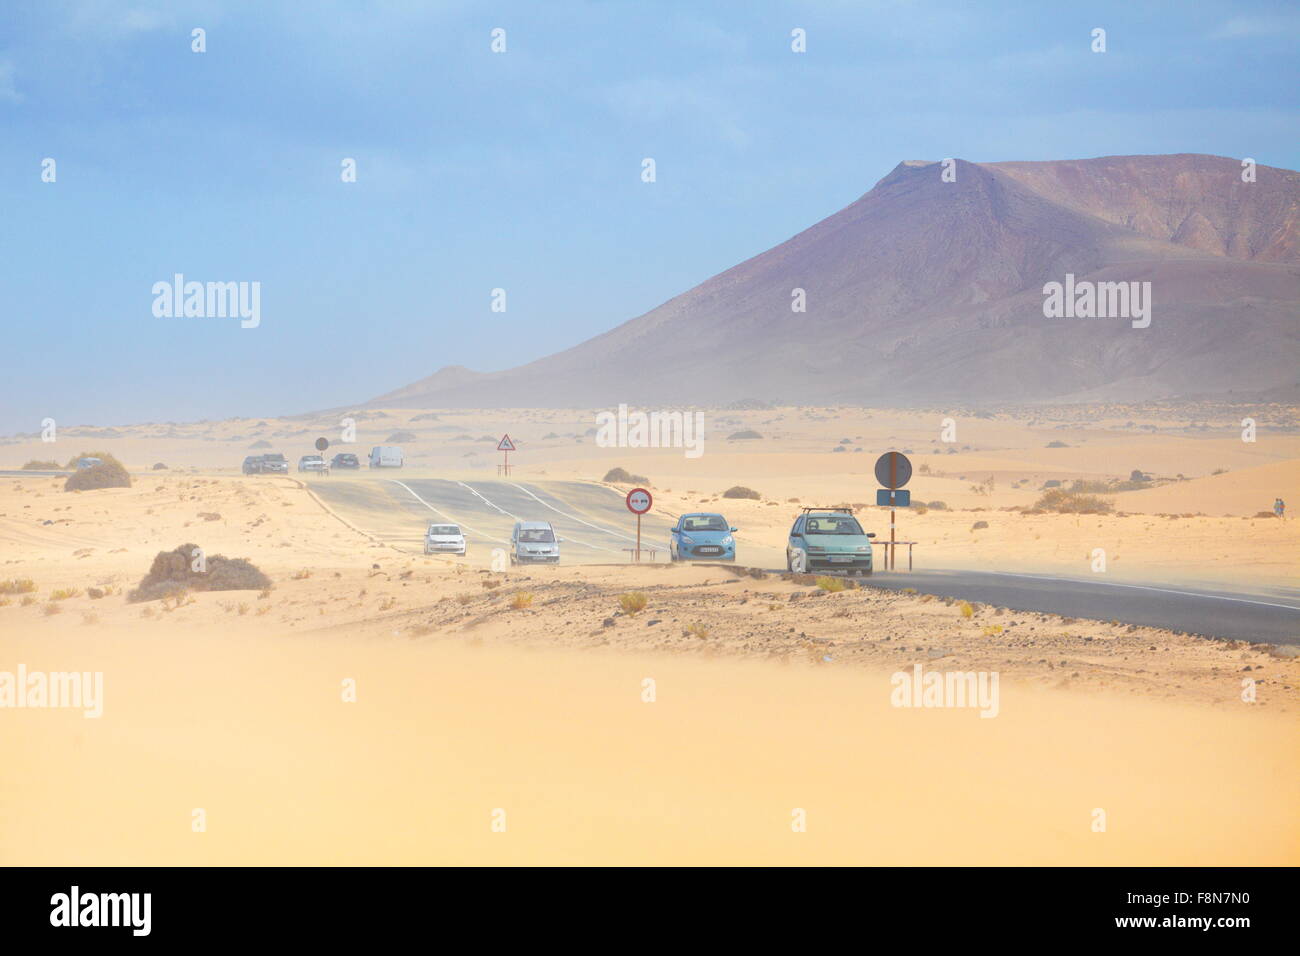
x=597, y=528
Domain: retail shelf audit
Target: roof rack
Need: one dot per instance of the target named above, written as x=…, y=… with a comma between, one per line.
x=839, y=509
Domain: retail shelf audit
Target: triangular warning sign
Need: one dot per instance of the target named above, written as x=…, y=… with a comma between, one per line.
x=505, y=444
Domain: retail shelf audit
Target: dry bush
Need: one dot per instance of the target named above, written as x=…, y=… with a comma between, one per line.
x=632, y=602
x=109, y=473
x=172, y=571
x=827, y=583
x=740, y=491
x=967, y=609
x=62, y=594
x=17, y=586
x=521, y=600
x=42, y=466
x=696, y=630
x=1071, y=502
x=622, y=476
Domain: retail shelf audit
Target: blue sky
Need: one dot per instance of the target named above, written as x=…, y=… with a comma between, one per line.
x=518, y=170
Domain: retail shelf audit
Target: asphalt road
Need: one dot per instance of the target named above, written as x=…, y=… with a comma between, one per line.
x=597, y=529
x=1267, y=618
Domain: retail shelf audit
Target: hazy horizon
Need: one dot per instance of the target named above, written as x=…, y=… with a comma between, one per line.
x=518, y=170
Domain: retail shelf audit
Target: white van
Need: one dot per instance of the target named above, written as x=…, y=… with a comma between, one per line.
x=386, y=456
x=534, y=541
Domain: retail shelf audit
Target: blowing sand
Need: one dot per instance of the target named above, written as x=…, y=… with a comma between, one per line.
x=521, y=699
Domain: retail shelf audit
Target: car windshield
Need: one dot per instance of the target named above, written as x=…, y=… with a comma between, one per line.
x=834, y=524
x=536, y=535
x=273, y=457
x=450, y=529
x=704, y=523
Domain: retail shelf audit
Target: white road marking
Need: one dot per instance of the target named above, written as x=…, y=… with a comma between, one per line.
x=1144, y=587
x=447, y=516
x=594, y=547
x=574, y=517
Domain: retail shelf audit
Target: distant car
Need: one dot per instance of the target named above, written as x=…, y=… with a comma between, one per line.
x=89, y=462
x=386, y=456
x=345, y=460
x=253, y=465
x=275, y=464
x=444, y=539
x=706, y=535
x=830, y=539
x=313, y=463
x=533, y=542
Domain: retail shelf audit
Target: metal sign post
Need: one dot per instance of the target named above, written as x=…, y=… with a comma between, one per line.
x=638, y=502
x=321, y=445
x=893, y=470
x=505, y=446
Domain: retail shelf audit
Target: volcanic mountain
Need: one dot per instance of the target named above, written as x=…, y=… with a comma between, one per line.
x=931, y=289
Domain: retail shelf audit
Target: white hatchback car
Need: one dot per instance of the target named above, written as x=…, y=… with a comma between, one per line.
x=444, y=539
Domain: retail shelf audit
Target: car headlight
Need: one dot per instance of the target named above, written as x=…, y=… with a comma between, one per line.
x=728, y=541
x=687, y=539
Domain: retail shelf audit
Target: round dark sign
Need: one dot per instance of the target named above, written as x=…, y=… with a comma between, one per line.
x=322, y=444
x=893, y=470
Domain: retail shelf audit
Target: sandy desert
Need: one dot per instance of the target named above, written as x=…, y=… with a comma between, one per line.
x=743, y=715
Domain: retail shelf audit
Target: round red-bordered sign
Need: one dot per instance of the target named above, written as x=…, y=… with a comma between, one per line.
x=639, y=501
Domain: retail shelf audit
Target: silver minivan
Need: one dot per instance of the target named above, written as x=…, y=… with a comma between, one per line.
x=534, y=541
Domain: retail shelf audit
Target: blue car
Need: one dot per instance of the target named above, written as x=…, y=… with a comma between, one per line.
x=702, y=536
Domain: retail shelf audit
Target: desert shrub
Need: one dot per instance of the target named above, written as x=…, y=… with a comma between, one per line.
x=621, y=476
x=632, y=602
x=1057, y=444
x=827, y=583
x=1265, y=514
x=62, y=594
x=109, y=473
x=967, y=609
x=1051, y=483
x=740, y=491
x=1071, y=502
x=401, y=436
x=172, y=572
x=42, y=466
x=936, y=505
x=696, y=630
x=979, y=525
x=745, y=435
x=72, y=462
x=159, y=466
x=263, y=443
x=919, y=509
x=521, y=600
x=22, y=586
x=1081, y=487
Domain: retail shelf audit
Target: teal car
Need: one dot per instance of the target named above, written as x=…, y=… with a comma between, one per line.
x=704, y=535
x=828, y=539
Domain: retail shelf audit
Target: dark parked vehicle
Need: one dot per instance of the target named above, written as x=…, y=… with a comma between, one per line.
x=275, y=464
x=345, y=460
x=253, y=465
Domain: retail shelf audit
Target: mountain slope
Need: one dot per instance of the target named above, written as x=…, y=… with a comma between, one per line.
x=924, y=290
